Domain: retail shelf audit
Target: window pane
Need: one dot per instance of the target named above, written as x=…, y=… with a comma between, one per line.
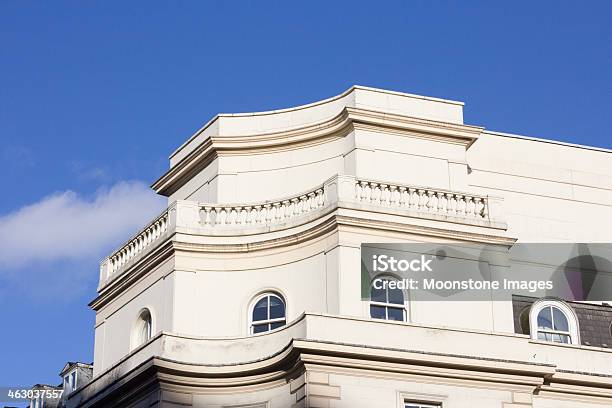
x=560, y=338
x=396, y=296
x=544, y=336
x=377, y=312
x=413, y=405
x=260, y=311
x=277, y=325
x=277, y=308
x=560, y=321
x=378, y=295
x=545, y=319
x=260, y=328
x=395, y=314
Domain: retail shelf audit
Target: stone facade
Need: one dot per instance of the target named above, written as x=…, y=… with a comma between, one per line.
x=278, y=203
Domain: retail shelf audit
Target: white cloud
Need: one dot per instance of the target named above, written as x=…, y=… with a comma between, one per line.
x=68, y=227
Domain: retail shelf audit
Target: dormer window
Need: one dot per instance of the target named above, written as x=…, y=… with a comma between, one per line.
x=554, y=321
x=70, y=381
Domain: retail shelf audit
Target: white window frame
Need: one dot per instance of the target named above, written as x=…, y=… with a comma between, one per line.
x=69, y=385
x=420, y=400
x=267, y=321
x=403, y=306
x=572, y=321
x=135, y=338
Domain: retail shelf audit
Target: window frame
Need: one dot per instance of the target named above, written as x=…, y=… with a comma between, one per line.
x=572, y=321
x=135, y=338
x=254, y=301
x=403, y=306
x=412, y=404
x=70, y=382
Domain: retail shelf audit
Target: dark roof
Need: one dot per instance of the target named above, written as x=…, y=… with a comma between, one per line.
x=594, y=321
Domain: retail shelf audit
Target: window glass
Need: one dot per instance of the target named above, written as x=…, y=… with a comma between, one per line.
x=553, y=325
x=545, y=319
x=377, y=312
x=396, y=296
x=559, y=320
x=268, y=313
x=387, y=303
x=260, y=328
x=379, y=295
x=395, y=314
x=276, y=325
x=277, y=308
x=260, y=311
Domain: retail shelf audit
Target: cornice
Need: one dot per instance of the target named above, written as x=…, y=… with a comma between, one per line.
x=214, y=146
x=347, y=359
x=335, y=127
x=344, y=94
x=414, y=127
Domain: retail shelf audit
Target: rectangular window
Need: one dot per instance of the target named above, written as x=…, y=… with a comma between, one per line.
x=420, y=405
x=73, y=380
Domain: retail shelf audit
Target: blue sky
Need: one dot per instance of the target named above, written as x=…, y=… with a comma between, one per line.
x=94, y=96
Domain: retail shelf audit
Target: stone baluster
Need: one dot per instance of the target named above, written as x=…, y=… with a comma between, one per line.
x=450, y=203
x=430, y=201
x=384, y=194
x=310, y=202
x=404, y=197
x=268, y=213
x=469, y=206
x=441, y=202
x=321, y=197
x=366, y=191
x=294, y=206
x=257, y=210
x=413, y=202
x=277, y=211
x=461, y=205
x=484, y=213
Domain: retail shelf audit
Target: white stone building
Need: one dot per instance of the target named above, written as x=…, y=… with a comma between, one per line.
x=245, y=292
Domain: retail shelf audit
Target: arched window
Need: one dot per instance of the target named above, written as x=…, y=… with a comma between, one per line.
x=554, y=321
x=267, y=313
x=387, y=302
x=143, y=328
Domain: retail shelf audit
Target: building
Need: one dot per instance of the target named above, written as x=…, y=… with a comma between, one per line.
x=246, y=291
x=45, y=396
x=74, y=375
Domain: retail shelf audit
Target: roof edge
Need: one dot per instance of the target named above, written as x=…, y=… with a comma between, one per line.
x=310, y=105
